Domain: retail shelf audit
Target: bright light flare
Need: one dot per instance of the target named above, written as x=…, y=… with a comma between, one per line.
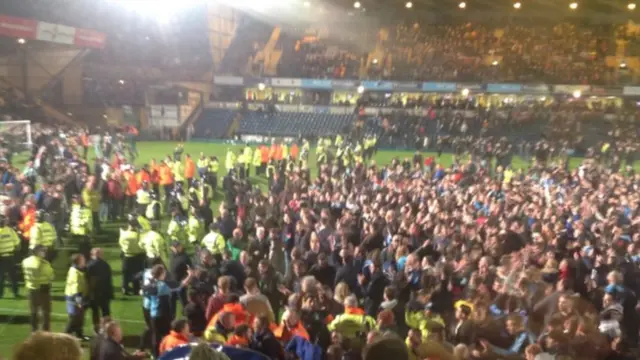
x=163, y=11
x=357, y=5
x=494, y=63
x=21, y=41
x=465, y=92
x=577, y=94
x=517, y=5
x=573, y=5
x=408, y=5
x=261, y=86
x=360, y=89
x=631, y=6
x=462, y=5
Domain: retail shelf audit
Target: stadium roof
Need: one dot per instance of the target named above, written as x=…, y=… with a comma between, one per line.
x=112, y=15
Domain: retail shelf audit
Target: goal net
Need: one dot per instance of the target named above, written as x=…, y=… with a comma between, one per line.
x=16, y=135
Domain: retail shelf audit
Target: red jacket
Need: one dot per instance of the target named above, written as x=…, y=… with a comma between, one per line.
x=114, y=189
x=215, y=304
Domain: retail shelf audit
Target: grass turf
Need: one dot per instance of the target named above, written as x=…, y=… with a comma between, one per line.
x=14, y=313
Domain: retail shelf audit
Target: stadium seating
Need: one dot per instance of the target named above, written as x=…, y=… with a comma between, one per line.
x=293, y=123
x=214, y=123
x=250, y=36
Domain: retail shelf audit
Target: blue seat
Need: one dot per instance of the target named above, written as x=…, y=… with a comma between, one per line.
x=293, y=123
x=213, y=123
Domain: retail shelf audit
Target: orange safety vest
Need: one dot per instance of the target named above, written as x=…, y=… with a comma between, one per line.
x=143, y=176
x=278, y=152
x=155, y=173
x=132, y=183
x=284, y=334
x=242, y=316
x=236, y=340
x=264, y=154
x=84, y=139
x=171, y=341
x=189, y=168
x=166, y=176
x=28, y=220
x=294, y=151
x=272, y=152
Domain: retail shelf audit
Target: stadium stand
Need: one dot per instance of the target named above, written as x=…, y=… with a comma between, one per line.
x=555, y=53
x=251, y=36
x=293, y=123
x=312, y=57
x=214, y=123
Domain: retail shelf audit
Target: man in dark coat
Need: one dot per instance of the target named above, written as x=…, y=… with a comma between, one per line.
x=100, y=281
x=178, y=269
x=264, y=341
x=110, y=347
x=347, y=271
x=234, y=269
x=322, y=271
x=373, y=288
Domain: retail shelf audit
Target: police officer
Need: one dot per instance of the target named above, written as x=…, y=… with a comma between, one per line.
x=81, y=226
x=194, y=199
x=132, y=256
x=230, y=161
x=248, y=157
x=154, y=245
x=204, y=193
x=194, y=231
x=180, y=200
x=304, y=151
x=240, y=164
x=257, y=161
x=153, y=212
x=214, y=166
x=202, y=165
x=214, y=242
x=144, y=224
x=38, y=276
x=176, y=228
x=43, y=233
x=143, y=197
x=76, y=292
x=9, y=247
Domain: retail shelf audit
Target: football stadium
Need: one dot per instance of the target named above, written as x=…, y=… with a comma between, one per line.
x=320, y=179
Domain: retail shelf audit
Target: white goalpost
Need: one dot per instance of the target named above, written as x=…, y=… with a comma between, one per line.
x=17, y=132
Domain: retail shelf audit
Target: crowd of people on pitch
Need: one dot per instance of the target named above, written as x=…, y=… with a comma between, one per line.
x=467, y=261
x=472, y=260
x=558, y=53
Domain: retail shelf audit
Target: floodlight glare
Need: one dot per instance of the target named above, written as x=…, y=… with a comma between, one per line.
x=261, y=86
x=357, y=5
x=577, y=94
x=462, y=5
x=465, y=92
x=360, y=89
x=573, y=5
x=408, y=5
x=517, y=5
x=631, y=6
